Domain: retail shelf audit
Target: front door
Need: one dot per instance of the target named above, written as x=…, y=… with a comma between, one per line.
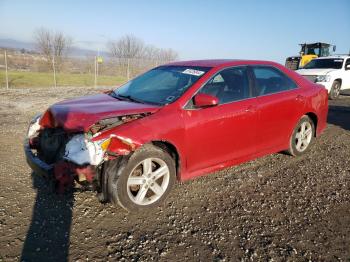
x=224, y=132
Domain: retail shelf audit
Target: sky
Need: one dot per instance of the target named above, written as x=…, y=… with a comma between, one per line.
x=196, y=29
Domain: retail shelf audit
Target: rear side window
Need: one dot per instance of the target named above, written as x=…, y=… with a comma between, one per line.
x=270, y=80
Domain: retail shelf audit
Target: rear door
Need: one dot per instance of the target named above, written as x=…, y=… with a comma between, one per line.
x=280, y=103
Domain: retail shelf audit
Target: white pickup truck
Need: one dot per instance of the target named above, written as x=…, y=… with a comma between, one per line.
x=333, y=72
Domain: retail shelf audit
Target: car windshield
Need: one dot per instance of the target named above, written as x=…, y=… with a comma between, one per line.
x=162, y=85
x=325, y=63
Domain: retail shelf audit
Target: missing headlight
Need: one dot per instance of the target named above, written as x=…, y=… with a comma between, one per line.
x=109, y=123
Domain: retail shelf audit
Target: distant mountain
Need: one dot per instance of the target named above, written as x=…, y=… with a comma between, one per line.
x=29, y=46
x=82, y=52
x=15, y=44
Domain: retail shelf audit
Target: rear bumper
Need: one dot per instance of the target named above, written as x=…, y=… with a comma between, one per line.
x=37, y=165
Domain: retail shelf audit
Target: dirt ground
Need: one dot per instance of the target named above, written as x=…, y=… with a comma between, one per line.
x=276, y=208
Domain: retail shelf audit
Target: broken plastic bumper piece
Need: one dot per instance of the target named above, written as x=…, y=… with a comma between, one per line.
x=36, y=164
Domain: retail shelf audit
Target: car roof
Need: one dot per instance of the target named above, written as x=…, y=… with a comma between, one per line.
x=219, y=62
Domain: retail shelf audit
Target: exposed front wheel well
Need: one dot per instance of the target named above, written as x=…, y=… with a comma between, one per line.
x=171, y=149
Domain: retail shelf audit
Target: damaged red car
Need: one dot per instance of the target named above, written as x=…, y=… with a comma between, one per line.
x=175, y=122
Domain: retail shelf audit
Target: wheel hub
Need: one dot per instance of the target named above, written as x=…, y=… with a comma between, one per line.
x=148, y=181
x=303, y=136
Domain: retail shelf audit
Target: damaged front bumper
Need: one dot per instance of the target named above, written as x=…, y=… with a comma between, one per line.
x=65, y=157
x=36, y=164
x=62, y=172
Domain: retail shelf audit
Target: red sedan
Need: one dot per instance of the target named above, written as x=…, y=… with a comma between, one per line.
x=175, y=122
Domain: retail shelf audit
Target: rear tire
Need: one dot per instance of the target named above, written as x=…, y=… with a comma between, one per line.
x=335, y=90
x=143, y=180
x=302, y=137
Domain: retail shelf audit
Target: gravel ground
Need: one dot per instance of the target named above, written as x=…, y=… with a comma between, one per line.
x=276, y=208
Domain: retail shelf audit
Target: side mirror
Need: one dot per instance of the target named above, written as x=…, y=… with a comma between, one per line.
x=334, y=48
x=347, y=67
x=205, y=100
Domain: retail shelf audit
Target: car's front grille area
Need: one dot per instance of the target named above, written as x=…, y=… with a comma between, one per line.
x=52, y=144
x=312, y=78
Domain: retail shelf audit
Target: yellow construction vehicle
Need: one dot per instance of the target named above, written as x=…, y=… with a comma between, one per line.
x=307, y=53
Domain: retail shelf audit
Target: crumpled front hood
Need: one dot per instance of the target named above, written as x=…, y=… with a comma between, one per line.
x=316, y=71
x=79, y=114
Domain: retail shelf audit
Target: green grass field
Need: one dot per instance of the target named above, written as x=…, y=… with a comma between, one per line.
x=38, y=79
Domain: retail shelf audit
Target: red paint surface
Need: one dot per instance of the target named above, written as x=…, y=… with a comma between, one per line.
x=121, y=147
x=80, y=113
x=210, y=138
x=65, y=172
x=204, y=100
x=63, y=176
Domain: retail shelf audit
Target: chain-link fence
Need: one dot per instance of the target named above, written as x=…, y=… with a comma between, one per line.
x=31, y=69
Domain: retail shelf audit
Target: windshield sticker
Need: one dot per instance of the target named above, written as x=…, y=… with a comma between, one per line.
x=193, y=72
x=339, y=60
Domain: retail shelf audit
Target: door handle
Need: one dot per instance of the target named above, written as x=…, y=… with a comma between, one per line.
x=299, y=98
x=250, y=109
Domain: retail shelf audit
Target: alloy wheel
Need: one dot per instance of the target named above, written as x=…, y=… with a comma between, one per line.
x=303, y=136
x=148, y=181
x=336, y=89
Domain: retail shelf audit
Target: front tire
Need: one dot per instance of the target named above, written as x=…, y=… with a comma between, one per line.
x=143, y=180
x=302, y=137
x=335, y=90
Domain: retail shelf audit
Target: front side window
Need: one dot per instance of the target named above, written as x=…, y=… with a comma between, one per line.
x=270, y=80
x=162, y=85
x=231, y=84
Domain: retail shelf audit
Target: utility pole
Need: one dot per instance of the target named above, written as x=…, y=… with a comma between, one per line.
x=6, y=74
x=97, y=57
x=95, y=71
x=128, y=69
x=54, y=71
